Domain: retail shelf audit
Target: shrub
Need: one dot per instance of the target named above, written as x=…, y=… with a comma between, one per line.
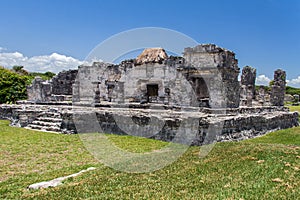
x=12, y=86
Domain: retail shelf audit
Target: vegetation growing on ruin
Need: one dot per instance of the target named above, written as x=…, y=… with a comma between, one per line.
x=13, y=83
x=262, y=168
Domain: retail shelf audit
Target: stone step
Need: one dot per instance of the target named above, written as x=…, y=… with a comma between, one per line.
x=44, y=123
x=50, y=114
x=43, y=128
x=49, y=119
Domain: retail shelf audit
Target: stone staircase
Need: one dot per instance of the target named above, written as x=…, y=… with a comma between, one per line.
x=49, y=120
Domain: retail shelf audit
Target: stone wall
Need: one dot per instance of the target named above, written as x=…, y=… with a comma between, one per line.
x=39, y=90
x=208, y=78
x=19, y=115
x=170, y=125
x=223, y=81
x=59, y=88
x=63, y=81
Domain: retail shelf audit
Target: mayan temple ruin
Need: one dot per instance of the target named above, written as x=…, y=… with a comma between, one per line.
x=197, y=95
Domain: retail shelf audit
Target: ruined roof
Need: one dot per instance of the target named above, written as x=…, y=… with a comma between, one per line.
x=206, y=48
x=152, y=55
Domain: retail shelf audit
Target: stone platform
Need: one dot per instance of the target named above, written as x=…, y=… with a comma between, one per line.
x=190, y=125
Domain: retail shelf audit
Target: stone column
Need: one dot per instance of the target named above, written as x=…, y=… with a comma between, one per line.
x=243, y=94
x=249, y=95
x=119, y=89
x=167, y=95
x=96, y=99
x=248, y=79
x=75, y=92
x=278, y=88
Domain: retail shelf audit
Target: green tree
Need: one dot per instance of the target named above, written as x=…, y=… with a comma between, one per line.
x=12, y=86
x=49, y=74
x=19, y=69
x=292, y=91
x=44, y=76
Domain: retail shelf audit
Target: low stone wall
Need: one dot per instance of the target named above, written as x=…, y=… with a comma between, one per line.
x=20, y=115
x=204, y=128
x=244, y=127
x=189, y=127
x=6, y=111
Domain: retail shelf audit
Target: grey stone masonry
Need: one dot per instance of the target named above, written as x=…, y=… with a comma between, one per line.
x=194, y=99
x=248, y=79
x=236, y=124
x=278, y=88
x=219, y=68
x=59, y=88
x=63, y=81
x=261, y=95
x=207, y=76
x=39, y=90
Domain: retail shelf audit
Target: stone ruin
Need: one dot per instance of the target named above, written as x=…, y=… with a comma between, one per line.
x=248, y=86
x=278, y=88
x=58, y=89
x=157, y=78
x=201, y=87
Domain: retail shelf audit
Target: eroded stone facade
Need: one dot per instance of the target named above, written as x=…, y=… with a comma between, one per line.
x=206, y=76
x=39, y=91
x=58, y=89
x=62, y=83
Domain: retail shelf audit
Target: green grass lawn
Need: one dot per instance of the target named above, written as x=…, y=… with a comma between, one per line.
x=262, y=168
x=294, y=108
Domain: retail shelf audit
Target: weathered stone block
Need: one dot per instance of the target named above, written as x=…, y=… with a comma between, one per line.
x=278, y=88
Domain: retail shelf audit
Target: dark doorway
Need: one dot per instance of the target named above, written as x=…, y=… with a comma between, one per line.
x=152, y=92
x=110, y=89
x=201, y=91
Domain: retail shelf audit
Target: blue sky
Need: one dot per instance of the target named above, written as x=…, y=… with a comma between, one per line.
x=262, y=33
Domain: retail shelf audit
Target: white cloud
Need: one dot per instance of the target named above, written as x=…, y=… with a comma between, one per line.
x=294, y=82
x=2, y=49
x=262, y=80
x=54, y=62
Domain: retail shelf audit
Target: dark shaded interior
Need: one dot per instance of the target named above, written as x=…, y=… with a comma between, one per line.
x=200, y=88
x=152, y=91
